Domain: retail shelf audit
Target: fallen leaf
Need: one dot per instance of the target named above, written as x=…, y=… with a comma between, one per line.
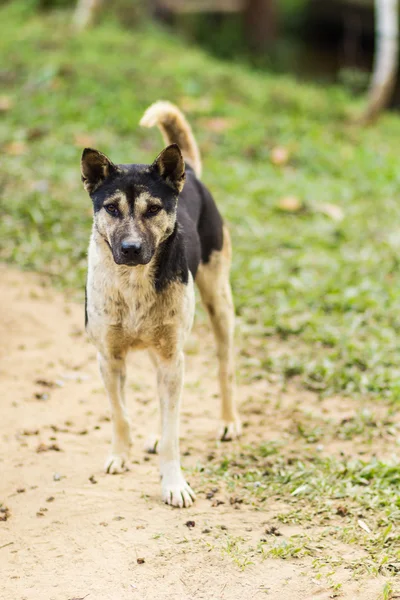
x=217, y=503
x=218, y=124
x=16, y=148
x=45, y=383
x=279, y=156
x=190, y=524
x=47, y=448
x=4, y=513
x=83, y=140
x=342, y=511
x=273, y=531
x=234, y=500
x=290, y=204
x=41, y=396
x=34, y=133
x=364, y=526
x=5, y=103
x=331, y=210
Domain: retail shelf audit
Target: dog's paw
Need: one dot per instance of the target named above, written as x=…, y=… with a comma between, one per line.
x=178, y=493
x=230, y=430
x=115, y=463
x=151, y=445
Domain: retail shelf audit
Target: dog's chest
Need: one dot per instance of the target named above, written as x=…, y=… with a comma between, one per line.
x=127, y=312
x=124, y=303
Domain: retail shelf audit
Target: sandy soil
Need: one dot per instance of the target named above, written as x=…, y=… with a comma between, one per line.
x=74, y=532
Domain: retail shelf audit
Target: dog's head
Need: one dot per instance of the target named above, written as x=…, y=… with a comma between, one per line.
x=134, y=205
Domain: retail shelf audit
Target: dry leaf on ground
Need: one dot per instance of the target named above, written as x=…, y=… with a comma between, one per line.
x=290, y=204
x=279, y=156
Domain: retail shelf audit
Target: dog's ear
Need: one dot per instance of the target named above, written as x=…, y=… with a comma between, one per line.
x=170, y=165
x=95, y=168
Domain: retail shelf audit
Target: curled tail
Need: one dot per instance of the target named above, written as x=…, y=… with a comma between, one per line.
x=175, y=130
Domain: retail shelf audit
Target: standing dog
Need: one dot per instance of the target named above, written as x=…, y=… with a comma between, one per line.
x=157, y=229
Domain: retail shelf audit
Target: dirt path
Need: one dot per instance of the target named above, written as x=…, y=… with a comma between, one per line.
x=74, y=532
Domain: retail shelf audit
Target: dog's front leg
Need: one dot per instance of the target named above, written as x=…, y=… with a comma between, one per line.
x=175, y=490
x=113, y=371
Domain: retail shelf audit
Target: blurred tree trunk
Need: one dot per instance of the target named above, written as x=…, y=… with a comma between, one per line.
x=85, y=13
x=385, y=60
x=260, y=21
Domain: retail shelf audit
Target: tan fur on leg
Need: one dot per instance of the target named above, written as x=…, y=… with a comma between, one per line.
x=175, y=490
x=213, y=281
x=113, y=373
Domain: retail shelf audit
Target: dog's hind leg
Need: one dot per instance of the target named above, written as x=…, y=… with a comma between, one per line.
x=113, y=371
x=174, y=489
x=213, y=282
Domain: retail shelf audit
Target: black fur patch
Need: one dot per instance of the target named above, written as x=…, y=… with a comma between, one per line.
x=172, y=262
x=202, y=224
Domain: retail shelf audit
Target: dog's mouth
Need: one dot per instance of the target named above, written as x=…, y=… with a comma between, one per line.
x=122, y=261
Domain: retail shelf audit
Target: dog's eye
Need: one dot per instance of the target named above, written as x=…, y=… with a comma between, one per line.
x=112, y=209
x=153, y=210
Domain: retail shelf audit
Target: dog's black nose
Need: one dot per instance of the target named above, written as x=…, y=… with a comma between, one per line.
x=131, y=250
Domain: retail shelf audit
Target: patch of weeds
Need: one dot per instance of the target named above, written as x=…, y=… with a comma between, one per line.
x=234, y=549
x=311, y=435
x=350, y=500
x=291, y=548
x=362, y=424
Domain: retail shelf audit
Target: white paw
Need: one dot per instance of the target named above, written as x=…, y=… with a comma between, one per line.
x=115, y=463
x=151, y=445
x=230, y=430
x=178, y=493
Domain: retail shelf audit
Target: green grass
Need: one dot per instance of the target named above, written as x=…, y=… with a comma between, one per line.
x=349, y=500
x=331, y=286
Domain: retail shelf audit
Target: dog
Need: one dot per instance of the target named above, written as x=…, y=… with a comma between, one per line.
x=156, y=230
